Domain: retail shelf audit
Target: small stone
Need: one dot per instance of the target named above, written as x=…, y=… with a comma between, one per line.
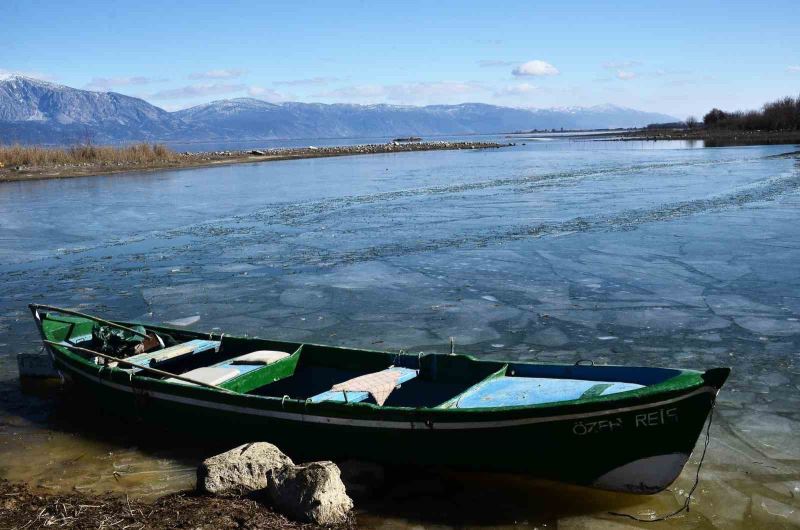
x=241, y=469
x=311, y=492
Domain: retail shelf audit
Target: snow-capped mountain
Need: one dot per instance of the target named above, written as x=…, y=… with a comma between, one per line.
x=38, y=111
x=33, y=110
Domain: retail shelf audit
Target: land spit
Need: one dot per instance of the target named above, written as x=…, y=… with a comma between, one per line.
x=714, y=137
x=9, y=172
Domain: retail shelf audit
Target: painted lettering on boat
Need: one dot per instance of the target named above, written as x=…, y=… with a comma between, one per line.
x=582, y=428
x=656, y=418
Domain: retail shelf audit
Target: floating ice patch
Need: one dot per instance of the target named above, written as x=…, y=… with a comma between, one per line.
x=181, y=322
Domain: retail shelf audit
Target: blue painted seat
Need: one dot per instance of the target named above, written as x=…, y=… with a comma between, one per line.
x=361, y=388
x=192, y=347
x=516, y=391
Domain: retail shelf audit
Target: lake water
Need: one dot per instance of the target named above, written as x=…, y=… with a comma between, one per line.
x=620, y=252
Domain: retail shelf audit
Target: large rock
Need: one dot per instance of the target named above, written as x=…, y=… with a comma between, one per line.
x=311, y=492
x=241, y=469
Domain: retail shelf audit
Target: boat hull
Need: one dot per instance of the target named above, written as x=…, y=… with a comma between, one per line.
x=637, y=445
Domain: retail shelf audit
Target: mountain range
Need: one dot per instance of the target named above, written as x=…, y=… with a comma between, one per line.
x=35, y=111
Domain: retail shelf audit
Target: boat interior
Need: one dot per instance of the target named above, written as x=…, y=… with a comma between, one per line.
x=324, y=374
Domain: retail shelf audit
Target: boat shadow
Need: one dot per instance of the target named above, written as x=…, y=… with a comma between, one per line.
x=404, y=495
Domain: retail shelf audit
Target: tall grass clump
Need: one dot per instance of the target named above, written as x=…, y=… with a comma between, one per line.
x=135, y=154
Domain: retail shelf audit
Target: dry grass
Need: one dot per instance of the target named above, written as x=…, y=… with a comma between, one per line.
x=137, y=154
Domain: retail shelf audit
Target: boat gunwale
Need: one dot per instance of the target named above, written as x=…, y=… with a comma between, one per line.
x=684, y=382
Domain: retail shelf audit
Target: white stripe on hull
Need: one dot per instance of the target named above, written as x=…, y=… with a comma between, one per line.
x=645, y=475
x=383, y=424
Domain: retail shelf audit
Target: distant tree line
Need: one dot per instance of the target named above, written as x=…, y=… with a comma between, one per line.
x=780, y=115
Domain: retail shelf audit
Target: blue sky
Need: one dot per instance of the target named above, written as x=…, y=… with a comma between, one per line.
x=676, y=57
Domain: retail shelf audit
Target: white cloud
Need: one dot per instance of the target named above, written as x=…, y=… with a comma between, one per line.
x=793, y=69
x=625, y=75
x=229, y=73
x=408, y=93
x=308, y=81
x=489, y=63
x=535, y=68
x=520, y=89
x=267, y=94
x=616, y=65
x=193, y=91
x=104, y=83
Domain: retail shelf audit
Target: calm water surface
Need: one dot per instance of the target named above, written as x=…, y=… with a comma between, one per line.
x=620, y=252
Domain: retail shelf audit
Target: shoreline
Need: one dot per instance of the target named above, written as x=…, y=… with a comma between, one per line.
x=23, y=506
x=712, y=137
x=189, y=160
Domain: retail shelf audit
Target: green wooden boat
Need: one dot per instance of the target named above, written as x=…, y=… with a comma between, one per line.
x=620, y=428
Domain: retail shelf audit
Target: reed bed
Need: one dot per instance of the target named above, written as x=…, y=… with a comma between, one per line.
x=136, y=154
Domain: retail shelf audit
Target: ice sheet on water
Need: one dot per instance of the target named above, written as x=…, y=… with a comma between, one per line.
x=670, y=320
x=308, y=298
x=772, y=512
x=550, y=336
x=772, y=435
x=737, y=305
x=182, y=322
x=371, y=275
x=778, y=327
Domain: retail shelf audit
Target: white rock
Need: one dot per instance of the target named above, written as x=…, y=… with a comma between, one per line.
x=244, y=468
x=311, y=492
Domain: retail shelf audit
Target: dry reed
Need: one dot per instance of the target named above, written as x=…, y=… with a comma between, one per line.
x=136, y=154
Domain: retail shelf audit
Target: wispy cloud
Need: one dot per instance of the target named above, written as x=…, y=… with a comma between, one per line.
x=409, y=93
x=313, y=81
x=794, y=69
x=267, y=94
x=491, y=63
x=104, y=83
x=621, y=65
x=520, y=89
x=228, y=73
x=625, y=75
x=536, y=68
x=193, y=91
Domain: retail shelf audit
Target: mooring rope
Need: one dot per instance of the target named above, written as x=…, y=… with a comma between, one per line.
x=686, y=505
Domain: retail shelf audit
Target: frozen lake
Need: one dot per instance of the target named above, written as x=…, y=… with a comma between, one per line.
x=620, y=252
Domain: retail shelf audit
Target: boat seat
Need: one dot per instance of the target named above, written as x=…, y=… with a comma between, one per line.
x=227, y=370
x=212, y=375
x=260, y=357
x=378, y=385
x=187, y=348
x=517, y=391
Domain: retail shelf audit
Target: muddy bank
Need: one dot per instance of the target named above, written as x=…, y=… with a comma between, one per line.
x=216, y=158
x=23, y=507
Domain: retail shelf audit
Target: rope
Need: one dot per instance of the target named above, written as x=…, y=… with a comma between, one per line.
x=686, y=505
